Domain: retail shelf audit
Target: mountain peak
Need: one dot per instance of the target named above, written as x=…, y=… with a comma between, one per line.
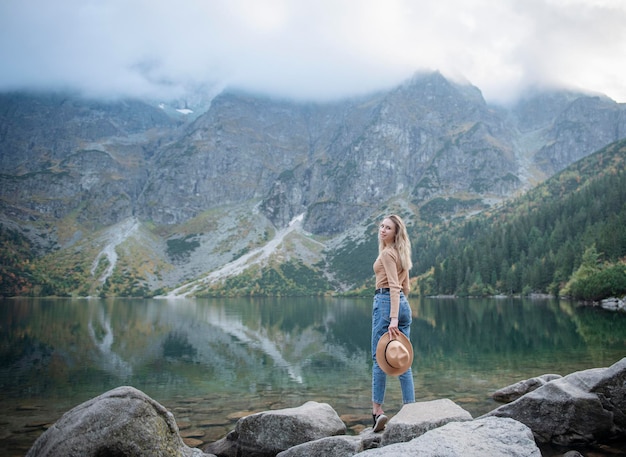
x=224, y=184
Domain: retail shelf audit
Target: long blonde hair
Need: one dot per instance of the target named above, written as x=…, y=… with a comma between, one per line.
x=401, y=242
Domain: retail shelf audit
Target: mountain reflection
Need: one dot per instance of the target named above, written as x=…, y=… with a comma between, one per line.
x=102, y=339
x=300, y=346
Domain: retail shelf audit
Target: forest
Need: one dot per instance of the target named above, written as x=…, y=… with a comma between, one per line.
x=564, y=237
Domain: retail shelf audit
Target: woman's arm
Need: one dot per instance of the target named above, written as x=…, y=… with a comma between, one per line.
x=389, y=259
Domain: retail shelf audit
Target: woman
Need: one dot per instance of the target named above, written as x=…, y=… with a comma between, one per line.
x=391, y=311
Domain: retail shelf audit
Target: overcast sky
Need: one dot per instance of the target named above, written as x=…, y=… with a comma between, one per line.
x=310, y=49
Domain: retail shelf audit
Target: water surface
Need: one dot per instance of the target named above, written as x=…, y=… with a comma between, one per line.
x=213, y=361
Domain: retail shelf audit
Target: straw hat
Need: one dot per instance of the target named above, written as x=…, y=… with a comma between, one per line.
x=395, y=356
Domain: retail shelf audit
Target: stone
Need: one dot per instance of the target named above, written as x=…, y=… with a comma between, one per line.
x=192, y=442
x=334, y=446
x=614, y=304
x=192, y=433
x=370, y=439
x=584, y=408
x=123, y=421
x=581, y=408
x=265, y=434
x=515, y=391
x=415, y=419
x=491, y=436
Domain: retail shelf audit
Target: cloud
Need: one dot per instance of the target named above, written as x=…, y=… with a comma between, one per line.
x=310, y=50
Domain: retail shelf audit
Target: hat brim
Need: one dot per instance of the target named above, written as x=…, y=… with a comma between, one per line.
x=382, y=360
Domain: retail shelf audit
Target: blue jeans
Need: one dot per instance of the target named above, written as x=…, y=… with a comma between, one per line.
x=380, y=325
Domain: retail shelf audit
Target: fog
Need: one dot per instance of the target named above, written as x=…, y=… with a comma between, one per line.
x=310, y=50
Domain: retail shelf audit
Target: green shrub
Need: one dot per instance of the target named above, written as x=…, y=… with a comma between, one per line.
x=609, y=281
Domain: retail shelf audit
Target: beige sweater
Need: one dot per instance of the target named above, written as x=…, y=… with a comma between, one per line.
x=389, y=274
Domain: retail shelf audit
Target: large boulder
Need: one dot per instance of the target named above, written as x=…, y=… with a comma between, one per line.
x=334, y=446
x=491, y=436
x=267, y=433
x=121, y=422
x=415, y=419
x=581, y=408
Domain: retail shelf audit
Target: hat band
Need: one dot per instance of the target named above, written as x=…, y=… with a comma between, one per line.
x=401, y=355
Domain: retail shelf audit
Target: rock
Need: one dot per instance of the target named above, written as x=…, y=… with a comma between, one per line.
x=415, y=419
x=121, y=422
x=614, y=304
x=581, y=408
x=586, y=407
x=514, y=391
x=490, y=436
x=192, y=442
x=370, y=439
x=270, y=432
x=192, y=433
x=334, y=446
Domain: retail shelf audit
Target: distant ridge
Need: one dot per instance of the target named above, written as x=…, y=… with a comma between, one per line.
x=206, y=190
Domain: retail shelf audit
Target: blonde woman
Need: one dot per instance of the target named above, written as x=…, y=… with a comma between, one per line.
x=391, y=310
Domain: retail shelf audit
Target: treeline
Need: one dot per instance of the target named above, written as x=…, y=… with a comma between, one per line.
x=15, y=263
x=536, y=244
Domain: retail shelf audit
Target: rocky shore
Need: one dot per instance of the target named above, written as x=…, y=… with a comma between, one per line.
x=583, y=409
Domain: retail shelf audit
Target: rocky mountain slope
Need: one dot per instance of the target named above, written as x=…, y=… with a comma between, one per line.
x=128, y=192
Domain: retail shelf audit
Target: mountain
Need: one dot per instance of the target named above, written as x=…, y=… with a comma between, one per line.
x=535, y=243
x=135, y=197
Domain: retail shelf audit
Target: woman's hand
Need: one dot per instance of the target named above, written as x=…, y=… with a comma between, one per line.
x=394, y=331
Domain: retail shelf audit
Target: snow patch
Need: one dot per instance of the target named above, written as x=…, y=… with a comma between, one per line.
x=116, y=235
x=238, y=266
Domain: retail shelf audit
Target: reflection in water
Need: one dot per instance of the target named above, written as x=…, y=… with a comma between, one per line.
x=254, y=339
x=223, y=356
x=108, y=361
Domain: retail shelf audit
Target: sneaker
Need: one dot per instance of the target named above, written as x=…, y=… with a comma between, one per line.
x=379, y=422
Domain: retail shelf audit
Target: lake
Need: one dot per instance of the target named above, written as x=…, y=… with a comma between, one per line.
x=213, y=361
